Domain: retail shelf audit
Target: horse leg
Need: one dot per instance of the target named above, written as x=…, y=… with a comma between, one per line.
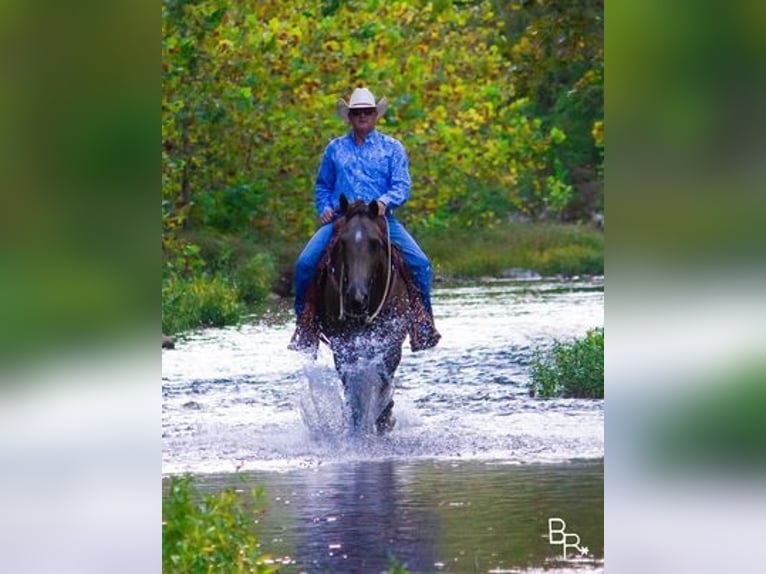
x=354, y=409
x=386, y=421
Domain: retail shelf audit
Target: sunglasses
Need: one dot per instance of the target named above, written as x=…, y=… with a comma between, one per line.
x=362, y=112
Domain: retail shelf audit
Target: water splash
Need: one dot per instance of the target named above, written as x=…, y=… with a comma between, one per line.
x=321, y=403
x=237, y=398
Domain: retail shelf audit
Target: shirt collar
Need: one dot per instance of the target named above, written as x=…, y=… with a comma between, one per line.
x=371, y=137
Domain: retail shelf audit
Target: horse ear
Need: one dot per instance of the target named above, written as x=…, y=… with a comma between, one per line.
x=343, y=203
x=373, y=209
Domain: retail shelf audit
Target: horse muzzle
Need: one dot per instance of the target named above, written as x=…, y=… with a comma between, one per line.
x=358, y=298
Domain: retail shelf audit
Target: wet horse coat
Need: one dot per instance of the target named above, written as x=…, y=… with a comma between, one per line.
x=363, y=313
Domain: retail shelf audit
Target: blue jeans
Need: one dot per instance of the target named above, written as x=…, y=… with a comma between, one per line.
x=414, y=258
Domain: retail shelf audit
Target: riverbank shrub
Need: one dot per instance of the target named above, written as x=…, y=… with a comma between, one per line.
x=203, y=301
x=247, y=262
x=255, y=277
x=209, y=534
x=571, y=369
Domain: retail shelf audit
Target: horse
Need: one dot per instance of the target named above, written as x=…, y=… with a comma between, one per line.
x=363, y=313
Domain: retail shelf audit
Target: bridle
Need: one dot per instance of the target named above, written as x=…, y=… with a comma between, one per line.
x=368, y=321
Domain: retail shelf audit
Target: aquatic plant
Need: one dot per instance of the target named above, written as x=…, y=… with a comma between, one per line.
x=571, y=369
x=396, y=566
x=210, y=534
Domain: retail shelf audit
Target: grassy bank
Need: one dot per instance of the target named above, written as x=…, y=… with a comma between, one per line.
x=545, y=248
x=236, y=274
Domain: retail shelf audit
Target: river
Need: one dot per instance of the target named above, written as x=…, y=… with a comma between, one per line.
x=471, y=474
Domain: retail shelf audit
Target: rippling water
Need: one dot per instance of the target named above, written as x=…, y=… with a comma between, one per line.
x=236, y=399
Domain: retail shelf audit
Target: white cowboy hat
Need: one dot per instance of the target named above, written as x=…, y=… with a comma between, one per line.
x=361, y=98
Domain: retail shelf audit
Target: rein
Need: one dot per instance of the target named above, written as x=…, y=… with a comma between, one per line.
x=372, y=317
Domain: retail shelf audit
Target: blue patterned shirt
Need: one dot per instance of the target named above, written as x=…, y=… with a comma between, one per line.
x=377, y=169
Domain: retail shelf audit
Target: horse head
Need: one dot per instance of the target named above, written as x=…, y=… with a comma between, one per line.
x=363, y=313
x=362, y=257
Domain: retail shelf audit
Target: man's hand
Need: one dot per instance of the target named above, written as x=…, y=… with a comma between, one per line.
x=327, y=215
x=382, y=208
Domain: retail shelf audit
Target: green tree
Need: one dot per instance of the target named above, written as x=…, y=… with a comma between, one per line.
x=481, y=95
x=556, y=51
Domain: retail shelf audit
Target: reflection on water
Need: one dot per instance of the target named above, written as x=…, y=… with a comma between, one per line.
x=432, y=516
x=471, y=473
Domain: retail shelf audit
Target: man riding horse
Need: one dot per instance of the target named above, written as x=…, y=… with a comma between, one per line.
x=368, y=165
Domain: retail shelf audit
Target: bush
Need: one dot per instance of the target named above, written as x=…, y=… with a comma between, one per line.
x=574, y=369
x=255, y=277
x=214, y=535
x=199, y=302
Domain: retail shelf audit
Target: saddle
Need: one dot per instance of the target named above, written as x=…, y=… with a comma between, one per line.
x=421, y=329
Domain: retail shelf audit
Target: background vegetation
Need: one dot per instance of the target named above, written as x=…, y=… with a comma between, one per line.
x=499, y=104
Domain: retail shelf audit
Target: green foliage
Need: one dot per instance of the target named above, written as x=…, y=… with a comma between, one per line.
x=574, y=369
x=231, y=208
x=598, y=136
x=557, y=52
x=184, y=257
x=477, y=92
x=202, y=301
x=499, y=106
x=211, y=535
x=248, y=265
x=255, y=278
x=575, y=111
